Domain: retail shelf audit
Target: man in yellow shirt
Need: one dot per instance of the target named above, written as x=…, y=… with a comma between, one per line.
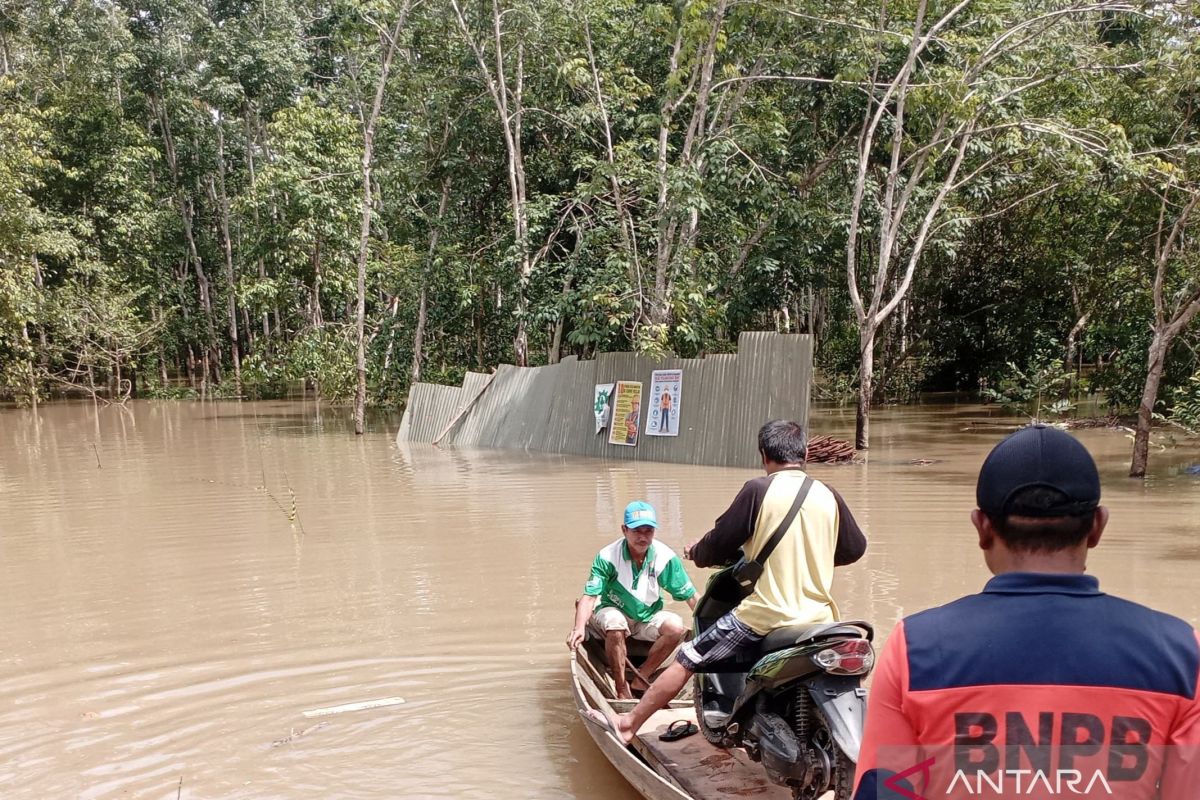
x=796, y=584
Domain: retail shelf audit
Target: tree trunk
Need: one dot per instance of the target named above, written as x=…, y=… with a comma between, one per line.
x=866, y=377
x=1076, y=330
x=4, y=58
x=318, y=319
x=477, y=322
x=187, y=216
x=419, y=335
x=1159, y=344
x=510, y=122
x=393, y=307
x=659, y=303
x=204, y=362
x=222, y=200
x=360, y=315
x=29, y=361
x=249, y=329
x=422, y=307
x=191, y=366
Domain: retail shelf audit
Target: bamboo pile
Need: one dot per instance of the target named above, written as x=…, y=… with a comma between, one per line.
x=828, y=450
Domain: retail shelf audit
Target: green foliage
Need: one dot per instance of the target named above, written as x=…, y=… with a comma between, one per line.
x=1040, y=390
x=1185, y=405
x=264, y=377
x=189, y=177
x=323, y=358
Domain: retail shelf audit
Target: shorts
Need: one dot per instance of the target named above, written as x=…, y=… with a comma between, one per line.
x=613, y=619
x=724, y=639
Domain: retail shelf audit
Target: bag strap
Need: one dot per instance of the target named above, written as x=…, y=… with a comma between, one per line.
x=769, y=547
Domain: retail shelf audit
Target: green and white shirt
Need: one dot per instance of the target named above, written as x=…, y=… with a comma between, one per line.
x=619, y=583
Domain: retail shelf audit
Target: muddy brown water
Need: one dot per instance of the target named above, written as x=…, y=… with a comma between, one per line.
x=181, y=581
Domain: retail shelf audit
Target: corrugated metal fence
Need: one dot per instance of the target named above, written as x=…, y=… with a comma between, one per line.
x=725, y=399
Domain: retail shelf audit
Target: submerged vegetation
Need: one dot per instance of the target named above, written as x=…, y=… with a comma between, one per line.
x=231, y=196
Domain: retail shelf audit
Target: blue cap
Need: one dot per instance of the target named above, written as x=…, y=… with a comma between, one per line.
x=639, y=513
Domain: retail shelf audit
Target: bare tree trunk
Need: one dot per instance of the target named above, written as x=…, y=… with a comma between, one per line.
x=1141, y=438
x=187, y=216
x=249, y=329
x=422, y=306
x=511, y=122
x=253, y=128
x=866, y=377
x=4, y=57
x=624, y=217
x=1073, y=337
x=204, y=360
x=393, y=307
x=318, y=319
x=29, y=365
x=360, y=392
x=662, y=257
x=191, y=366
x=1169, y=241
x=555, y=353
x=41, y=328
x=477, y=322
x=222, y=200
x=419, y=334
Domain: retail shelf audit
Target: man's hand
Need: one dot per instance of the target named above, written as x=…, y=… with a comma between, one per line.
x=575, y=638
x=687, y=551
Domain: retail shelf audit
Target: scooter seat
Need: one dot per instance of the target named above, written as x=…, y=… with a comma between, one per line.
x=782, y=638
x=791, y=636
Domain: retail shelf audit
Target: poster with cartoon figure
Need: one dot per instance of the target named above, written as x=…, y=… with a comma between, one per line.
x=626, y=413
x=666, y=385
x=602, y=405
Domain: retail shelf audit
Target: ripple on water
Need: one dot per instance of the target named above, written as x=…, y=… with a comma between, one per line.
x=172, y=613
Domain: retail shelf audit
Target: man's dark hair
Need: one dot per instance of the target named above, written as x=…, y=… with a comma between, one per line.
x=1026, y=527
x=783, y=441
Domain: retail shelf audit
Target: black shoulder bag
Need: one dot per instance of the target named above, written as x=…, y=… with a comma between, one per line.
x=746, y=572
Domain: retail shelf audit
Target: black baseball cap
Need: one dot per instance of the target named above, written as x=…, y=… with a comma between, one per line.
x=1040, y=456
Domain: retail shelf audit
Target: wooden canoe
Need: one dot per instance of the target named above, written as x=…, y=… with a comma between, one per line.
x=686, y=769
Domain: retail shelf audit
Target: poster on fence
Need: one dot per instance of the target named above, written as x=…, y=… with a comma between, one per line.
x=626, y=413
x=602, y=405
x=665, y=387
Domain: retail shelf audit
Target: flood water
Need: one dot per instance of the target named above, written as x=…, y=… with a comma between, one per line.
x=180, y=581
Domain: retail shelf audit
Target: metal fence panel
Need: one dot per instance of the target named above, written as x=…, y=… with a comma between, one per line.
x=725, y=399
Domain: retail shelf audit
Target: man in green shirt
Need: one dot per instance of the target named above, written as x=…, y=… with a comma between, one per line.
x=623, y=596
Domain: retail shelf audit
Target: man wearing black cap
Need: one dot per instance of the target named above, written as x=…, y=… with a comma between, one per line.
x=1042, y=685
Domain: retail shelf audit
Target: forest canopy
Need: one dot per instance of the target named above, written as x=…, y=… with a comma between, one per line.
x=235, y=195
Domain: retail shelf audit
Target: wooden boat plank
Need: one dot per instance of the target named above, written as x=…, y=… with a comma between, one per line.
x=702, y=770
x=686, y=769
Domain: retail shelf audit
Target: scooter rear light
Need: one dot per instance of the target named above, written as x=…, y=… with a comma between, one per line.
x=851, y=657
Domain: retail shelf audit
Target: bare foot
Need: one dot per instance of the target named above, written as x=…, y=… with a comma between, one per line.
x=639, y=684
x=624, y=730
x=623, y=693
x=618, y=726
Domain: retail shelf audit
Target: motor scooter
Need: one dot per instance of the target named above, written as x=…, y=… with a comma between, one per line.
x=796, y=703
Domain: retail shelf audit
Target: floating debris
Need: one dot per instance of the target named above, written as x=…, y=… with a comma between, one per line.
x=1083, y=423
x=296, y=734
x=361, y=706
